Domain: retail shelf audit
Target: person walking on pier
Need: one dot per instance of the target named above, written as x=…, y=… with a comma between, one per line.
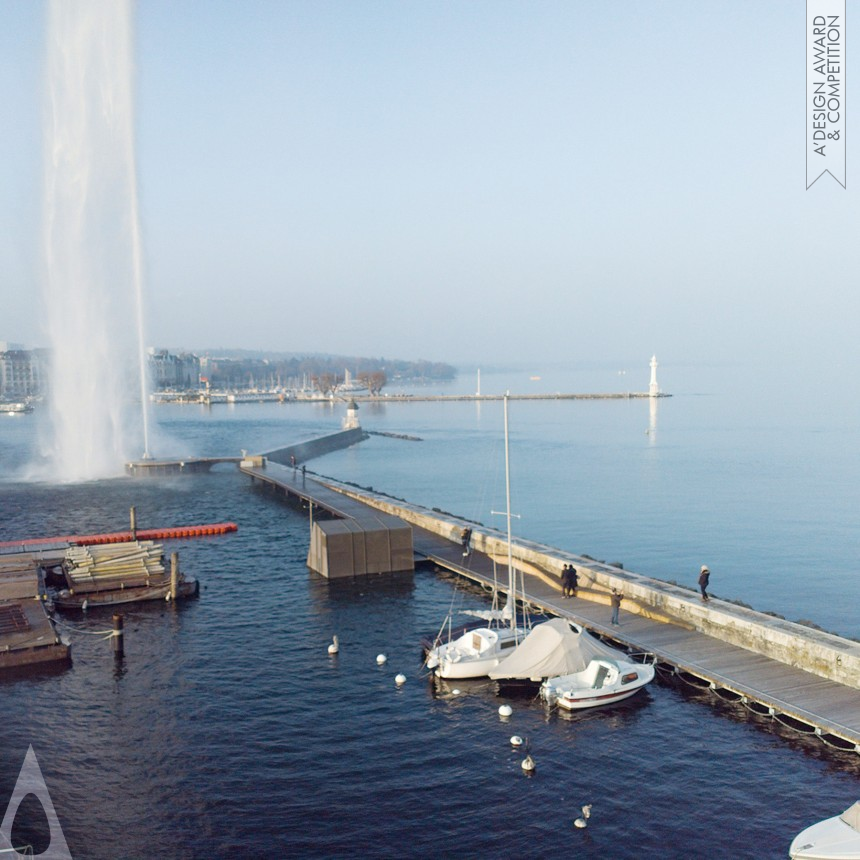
x=616, y=605
x=569, y=581
x=704, y=579
x=465, y=539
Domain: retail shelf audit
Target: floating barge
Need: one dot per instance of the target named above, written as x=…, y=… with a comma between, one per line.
x=114, y=574
x=27, y=635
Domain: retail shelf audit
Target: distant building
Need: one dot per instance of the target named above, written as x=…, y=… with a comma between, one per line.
x=173, y=371
x=20, y=372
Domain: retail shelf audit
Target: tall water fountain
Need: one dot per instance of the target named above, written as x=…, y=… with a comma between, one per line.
x=92, y=243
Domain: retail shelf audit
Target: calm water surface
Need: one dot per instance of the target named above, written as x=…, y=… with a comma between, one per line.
x=228, y=731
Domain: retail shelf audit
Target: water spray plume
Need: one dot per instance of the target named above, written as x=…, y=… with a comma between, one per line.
x=92, y=242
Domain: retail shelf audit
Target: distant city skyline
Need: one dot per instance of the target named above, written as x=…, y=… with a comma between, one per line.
x=473, y=183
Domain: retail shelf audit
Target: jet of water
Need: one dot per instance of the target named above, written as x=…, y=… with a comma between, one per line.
x=92, y=242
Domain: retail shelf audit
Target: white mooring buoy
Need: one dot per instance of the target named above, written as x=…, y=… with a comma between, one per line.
x=505, y=710
x=529, y=764
x=381, y=659
x=400, y=679
x=516, y=741
x=334, y=647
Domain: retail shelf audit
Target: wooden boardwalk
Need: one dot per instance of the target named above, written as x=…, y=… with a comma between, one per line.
x=823, y=705
x=820, y=706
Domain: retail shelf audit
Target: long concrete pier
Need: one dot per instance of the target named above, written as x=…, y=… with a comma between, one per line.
x=298, y=452
x=805, y=678
x=442, y=398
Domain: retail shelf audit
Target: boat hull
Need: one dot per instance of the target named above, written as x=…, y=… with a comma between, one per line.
x=831, y=839
x=575, y=703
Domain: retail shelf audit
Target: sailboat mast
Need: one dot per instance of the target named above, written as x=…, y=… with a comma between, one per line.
x=512, y=593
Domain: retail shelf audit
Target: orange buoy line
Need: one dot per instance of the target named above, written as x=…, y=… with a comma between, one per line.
x=123, y=537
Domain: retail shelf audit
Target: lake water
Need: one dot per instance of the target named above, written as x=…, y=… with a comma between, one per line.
x=228, y=731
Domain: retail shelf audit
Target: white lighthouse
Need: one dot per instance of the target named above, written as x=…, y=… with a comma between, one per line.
x=653, y=388
x=351, y=420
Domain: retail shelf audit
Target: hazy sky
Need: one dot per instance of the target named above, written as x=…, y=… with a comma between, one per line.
x=464, y=181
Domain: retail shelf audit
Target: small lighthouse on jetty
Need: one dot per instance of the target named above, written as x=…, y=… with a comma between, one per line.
x=351, y=421
x=653, y=388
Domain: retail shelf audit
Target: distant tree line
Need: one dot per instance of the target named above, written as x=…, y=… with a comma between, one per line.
x=323, y=372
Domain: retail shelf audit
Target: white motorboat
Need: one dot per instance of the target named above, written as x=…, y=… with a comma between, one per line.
x=476, y=651
x=604, y=681
x=836, y=838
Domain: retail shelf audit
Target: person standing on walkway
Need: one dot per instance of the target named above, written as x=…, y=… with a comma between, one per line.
x=567, y=581
x=465, y=539
x=704, y=579
x=616, y=605
x=574, y=581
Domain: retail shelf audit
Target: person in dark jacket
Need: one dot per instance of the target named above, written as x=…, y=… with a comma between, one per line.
x=704, y=579
x=564, y=579
x=465, y=539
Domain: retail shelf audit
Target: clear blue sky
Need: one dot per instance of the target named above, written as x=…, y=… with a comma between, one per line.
x=465, y=181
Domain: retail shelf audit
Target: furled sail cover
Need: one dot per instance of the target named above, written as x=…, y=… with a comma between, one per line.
x=553, y=648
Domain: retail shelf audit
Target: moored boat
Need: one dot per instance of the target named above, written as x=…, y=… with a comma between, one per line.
x=604, y=681
x=836, y=838
x=474, y=653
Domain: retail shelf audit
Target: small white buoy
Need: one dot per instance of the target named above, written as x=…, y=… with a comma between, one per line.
x=516, y=741
x=400, y=679
x=505, y=710
x=85, y=605
x=334, y=647
x=381, y=659
x=455, y=692
x=528, y=764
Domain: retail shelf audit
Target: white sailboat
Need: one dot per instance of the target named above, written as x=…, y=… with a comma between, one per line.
x=476, y=651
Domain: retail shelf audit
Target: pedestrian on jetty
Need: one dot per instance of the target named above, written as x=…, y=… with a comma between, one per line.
x=704, y=579
x=569, y=581
x=465, y=539
x=565, y=581
x=616, y=605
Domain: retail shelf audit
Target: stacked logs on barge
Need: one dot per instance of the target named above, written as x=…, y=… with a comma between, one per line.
x=113, y=574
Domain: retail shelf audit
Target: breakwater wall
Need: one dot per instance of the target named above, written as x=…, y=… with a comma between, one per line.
x=301, y=451
x=797, y=645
